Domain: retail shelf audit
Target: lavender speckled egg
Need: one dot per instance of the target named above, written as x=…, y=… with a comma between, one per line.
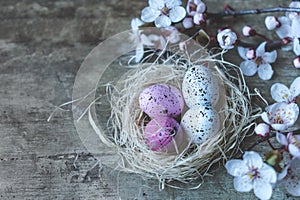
x=161, y=100
x=200, y=87
x=160, y=132
x=200, y=123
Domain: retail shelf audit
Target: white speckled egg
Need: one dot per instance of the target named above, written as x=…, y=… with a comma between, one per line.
x=200, y=87
x=200, y=123
x=161, y=100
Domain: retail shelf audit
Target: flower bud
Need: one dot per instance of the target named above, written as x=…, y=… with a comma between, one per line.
x=248, y=31
x=296, y=62
x=188, y=23
x=227, y=38
x=262, y=129
x=272, y=22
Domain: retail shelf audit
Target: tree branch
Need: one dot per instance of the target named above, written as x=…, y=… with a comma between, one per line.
x=234, y=13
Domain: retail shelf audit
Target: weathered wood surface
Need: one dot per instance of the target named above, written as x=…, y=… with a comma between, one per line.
x=42, y=44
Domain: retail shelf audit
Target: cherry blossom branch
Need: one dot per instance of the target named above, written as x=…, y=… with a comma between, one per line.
x=270, y=46
x=231, y=12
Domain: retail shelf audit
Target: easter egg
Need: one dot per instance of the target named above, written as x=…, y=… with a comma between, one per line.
x=160, y=132
x=161, y=100
x=200, y=87
x=200, y=123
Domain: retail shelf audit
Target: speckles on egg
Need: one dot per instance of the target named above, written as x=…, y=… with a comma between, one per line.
x=200, y=87
x=160, y=132
x=161, y=100
x=200, y=123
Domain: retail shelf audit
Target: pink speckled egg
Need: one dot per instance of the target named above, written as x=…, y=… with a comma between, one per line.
x=161, y=100
x=160, y=132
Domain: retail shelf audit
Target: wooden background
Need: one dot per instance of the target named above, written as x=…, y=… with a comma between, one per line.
x=42, y=44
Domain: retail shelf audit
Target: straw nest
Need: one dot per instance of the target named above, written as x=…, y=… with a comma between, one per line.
x=125, y=126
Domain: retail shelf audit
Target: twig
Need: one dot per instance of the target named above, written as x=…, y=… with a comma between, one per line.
x=234, y=13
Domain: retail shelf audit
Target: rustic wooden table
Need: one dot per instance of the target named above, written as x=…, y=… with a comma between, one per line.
x=42, y=44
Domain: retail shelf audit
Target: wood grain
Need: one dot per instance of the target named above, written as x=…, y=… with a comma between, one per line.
x=42, y=44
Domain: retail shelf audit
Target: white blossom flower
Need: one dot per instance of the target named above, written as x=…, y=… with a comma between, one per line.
x=260, y=64
x=262, y=129
x=139, y=39
x=280, y=92
x=163, y=12
x=281, y=115
x=252, y=173
x=290, y=177
x=195, y=6
x=296, y=62
x=291, y=142
x=227, y=38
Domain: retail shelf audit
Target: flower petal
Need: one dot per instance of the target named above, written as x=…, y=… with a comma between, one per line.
x=145, y=40
x=281, y=139
x=270, y=57
x=156, y=4
x=248, y=67
x=265, y=71
x=296, y=46
x=280, y=92
x=162, y=21
x=268, y=173
x=262, y=189
x=284, y=31
x=295, y=87
x=177, y=14
x=261, y=49
x=265, y=118
x=242, y=183
x=149, y=14
x=173, y=3
x=253, y=159
x=294, y=150
x=188, y=23
x=236, y=167
x=295, y=27
x=279, y=127
x=242, y=52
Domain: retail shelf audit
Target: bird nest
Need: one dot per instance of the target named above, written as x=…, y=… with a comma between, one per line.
x=124, y=131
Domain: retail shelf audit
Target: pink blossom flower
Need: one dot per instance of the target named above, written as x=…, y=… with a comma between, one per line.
x=163, y=12
x=227, y=38
x=252, y=173
x=139, y=39
x=281, y=93
x=281, y=115
x=195, y=6
x=290, y=177
x=262, y=129
x=291, y=142
x=260, y=64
